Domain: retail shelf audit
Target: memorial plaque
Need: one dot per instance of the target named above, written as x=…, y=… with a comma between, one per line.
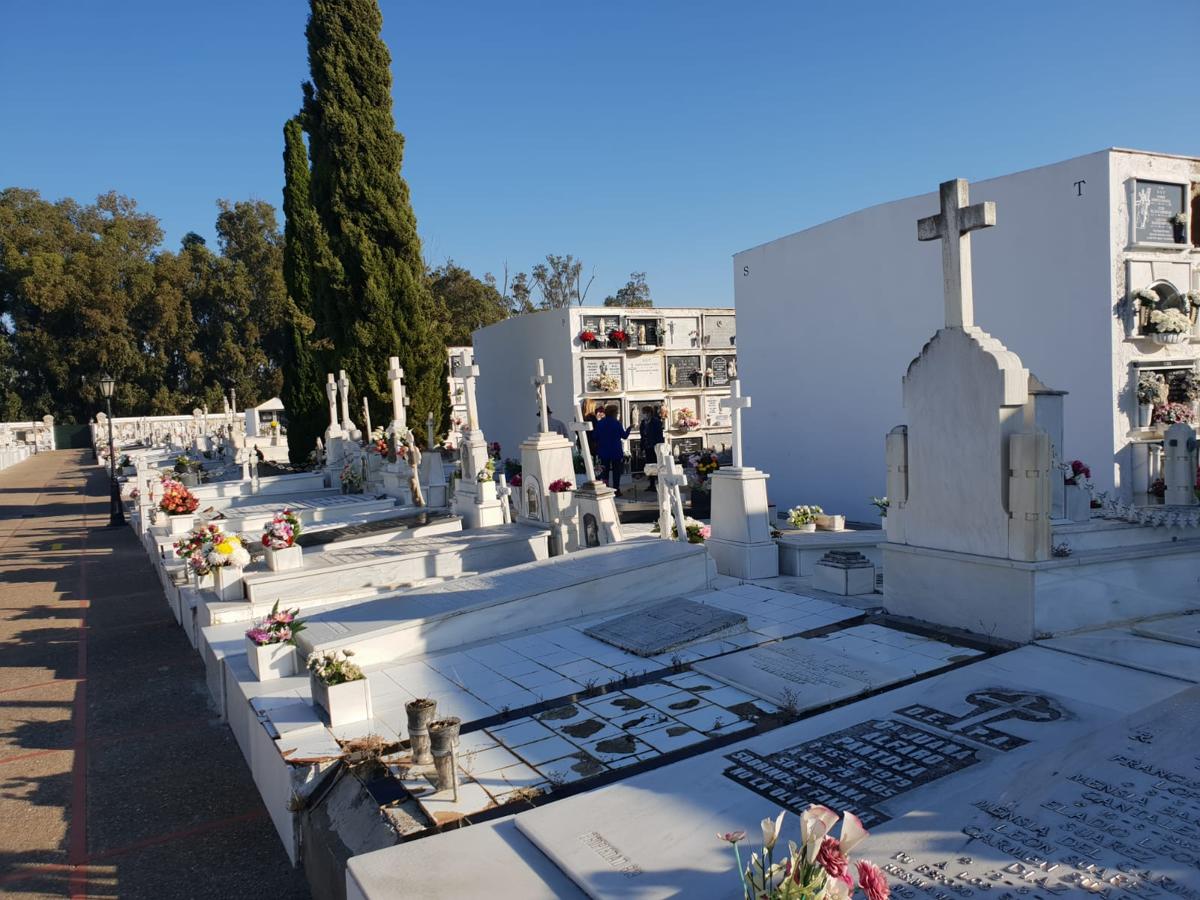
x=720, y=441
x=720, y=332
x=683, y=447
x=867, y=764
x=601, y=374
x=684, y=372
x=599, y=325
x=681, y=332
x=676, y=405
x=723, y=367
x=714, y=413
x=644, y=373
x=664, y=626
x=1155, y=206
x=644, y=333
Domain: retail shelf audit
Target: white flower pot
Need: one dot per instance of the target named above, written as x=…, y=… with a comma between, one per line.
x=202, y=581
x=227, y=582
x=1169, y=337
x=1079, y=503
x=486, y=491
x=560, y=502
x=1145, y=414
x=180, y=525
x=342, y=703
x=807, y=528
x=288, y=558
x=270, y=661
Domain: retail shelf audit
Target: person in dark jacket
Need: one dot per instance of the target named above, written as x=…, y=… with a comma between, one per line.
x=609, y=435
x=652, y=434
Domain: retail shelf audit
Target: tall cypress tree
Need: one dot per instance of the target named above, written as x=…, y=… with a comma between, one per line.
x=380, y=305
x=303, y=249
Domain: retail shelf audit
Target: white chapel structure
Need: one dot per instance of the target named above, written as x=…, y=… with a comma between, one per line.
x=1087, y=250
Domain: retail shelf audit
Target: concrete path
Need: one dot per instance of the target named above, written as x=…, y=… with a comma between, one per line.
x=116, y=779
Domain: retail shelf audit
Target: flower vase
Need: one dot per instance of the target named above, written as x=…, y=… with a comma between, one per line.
x=342, y=703
x=287, y=558
x=1169, y=337
x=271, y=661
x=486, y=491
x=807, y=527
x=202, y=582
x=1079, y=503
x=420, y=713
x=1145, y=414
x=180, y=525
x=227, y=582
x=560, y=502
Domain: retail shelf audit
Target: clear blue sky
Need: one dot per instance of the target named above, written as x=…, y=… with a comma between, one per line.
x=655, y=136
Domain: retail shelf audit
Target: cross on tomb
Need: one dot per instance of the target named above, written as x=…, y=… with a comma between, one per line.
x=540, y=380
x=399, y=400
x=581, y=429
x=996, y=706
x=343, y=384
x=953, y=225
x=331, y=393
x=429, y=431
x=465, y=368
x=367, y=418
x=672, y=480
x=735, y=403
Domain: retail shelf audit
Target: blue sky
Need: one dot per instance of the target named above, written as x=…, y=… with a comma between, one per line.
x=650, y=136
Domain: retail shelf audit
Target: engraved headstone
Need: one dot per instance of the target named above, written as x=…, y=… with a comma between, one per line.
x=1155, y=207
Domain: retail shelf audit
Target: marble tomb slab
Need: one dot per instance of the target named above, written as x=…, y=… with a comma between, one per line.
x=1119, y=646
x=1177, y=629
x=963, y=733
x=664, y=626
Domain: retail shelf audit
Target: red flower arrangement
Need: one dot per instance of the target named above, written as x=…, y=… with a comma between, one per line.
x=561, y=485
x=177, y=500
x=1078, y=470
x=587, y=336
x=381, y=447
x=515, y=481
x=618, y=335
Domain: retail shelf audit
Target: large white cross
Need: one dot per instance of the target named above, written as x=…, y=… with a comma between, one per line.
x=581, y=429
x=465, y=368
x=671, y=480
x=954, y=226
x=344, y=390
x=429, y=431
x=735, y=403
x=540, y=380
x=331, y=392
x=367, y=419
x=399, y=400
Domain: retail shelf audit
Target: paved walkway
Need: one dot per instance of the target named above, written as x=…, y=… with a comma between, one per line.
x=116, y=778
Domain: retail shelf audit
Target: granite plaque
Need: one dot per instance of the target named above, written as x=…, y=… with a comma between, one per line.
x=720, y=332
x=644, y=373
x=723, y=369
x=664, y=626
x=681, y=332
x=714, y=413
x=1155, y=206
x=683, y=447
x=684, y=372
x=601, y=374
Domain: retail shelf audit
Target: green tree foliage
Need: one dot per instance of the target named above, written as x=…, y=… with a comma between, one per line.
x=304, y=242
x=560, y=281
x=635, y=292
x=469, y=302
x=380, y=305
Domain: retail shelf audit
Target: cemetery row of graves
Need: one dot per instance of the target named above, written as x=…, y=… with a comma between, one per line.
x=428, y=656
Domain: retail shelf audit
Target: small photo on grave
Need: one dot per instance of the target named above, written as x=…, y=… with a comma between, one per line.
x=681, y=332
x=720, y=332
x=720, y=369
x=1158, y=211
x=602, y=374
x=684, y=372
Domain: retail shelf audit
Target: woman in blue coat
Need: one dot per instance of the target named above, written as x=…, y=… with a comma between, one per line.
x=609, y=435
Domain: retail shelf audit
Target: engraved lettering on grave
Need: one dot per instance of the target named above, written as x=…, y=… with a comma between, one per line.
x=1155, y=206
x=602, y=374
x=683, y=372
x=719, y=332
x=664, y=626
x=721, y=369
x=866, y=764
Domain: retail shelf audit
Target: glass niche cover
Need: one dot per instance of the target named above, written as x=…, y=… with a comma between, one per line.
x=1159, y=213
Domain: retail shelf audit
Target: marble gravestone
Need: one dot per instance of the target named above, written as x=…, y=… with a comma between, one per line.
x=546, y=457
x=664, y=626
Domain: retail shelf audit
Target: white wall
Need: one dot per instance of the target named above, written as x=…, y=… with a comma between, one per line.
x=507, y=355
x=830, y=318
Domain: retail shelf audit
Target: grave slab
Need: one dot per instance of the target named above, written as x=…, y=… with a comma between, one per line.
x=665, y=626
x=1119, y=646
x=1177, y=629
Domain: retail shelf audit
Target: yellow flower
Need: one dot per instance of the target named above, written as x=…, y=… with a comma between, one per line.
x=227, y=546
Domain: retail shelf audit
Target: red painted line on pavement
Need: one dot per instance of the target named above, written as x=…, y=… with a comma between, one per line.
x=202, y=828
x=77, y=845
x=31, y=754
x=27, y=687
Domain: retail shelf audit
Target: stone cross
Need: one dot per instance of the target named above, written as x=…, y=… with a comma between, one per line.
x=343, y=384
x=670, y=480
x=503, y=492
x=206, y=420
x=399, y=400
x=539, y=382
x=429, y=432
x=581, y=429
x=331, y=392
x=367, y=418
x=465, y=368
x=954, y=226
x=735, y=403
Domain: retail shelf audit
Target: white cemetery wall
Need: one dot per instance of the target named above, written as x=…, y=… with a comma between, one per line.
x=1042, y=280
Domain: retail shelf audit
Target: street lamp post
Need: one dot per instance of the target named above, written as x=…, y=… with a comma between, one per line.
x=116, y=513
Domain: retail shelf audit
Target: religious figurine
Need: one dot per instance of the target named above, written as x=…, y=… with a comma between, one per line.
x=414, y=475
x=732, y=368
x=673, y=375
x=641, y=333
x=708, y=373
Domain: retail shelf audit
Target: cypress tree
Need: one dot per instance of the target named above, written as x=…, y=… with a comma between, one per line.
x=376, y=303
x=303, y=394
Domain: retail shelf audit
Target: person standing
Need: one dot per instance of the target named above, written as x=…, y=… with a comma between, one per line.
x=609, y=435
x=652, y=434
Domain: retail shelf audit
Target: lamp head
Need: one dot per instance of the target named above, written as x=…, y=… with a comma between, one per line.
x=107, y=385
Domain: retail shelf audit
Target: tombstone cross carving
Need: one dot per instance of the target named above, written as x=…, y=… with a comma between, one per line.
x=331, y=393
x=953, y=225
x=735, y=403
x=399, y=400
x=343, y=384
x=465, y=368
x=429, y=431
x=581, y=429
x=540, y=380
x=367, y=419
x=671, y=480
